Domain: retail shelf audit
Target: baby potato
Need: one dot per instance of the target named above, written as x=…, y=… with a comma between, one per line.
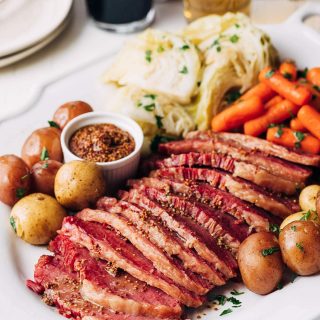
x=36, y=218
x=260, y=262
x=302, y=215
x=70, y=110
x=14, y=179
x=43, y=175
x=300, y=247
x=308, y=197
x=79, y=184
x=318, y=203
x=42, y=144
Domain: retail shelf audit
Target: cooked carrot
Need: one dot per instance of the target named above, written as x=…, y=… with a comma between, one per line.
x=285, y=88
x=289, y=70
x=310, y=118
x=313, y=76
x=294, y=139
x=296, y=125
x=276, y=114
x=260, y=90
x=237, y=114
x=315, y=100
x=272, y=102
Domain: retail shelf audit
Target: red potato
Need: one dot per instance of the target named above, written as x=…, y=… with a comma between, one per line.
x=43, y=142
x=43, y=175
x=14, y=179
x=260, y=262
x=70, y=110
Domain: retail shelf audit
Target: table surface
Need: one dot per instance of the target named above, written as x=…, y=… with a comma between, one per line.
x=82, y=42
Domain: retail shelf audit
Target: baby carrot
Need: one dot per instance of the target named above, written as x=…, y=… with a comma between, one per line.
x=276, y=114
x=310, y=118
x=313, y=76
x=285, y=88
x=260, y=90
x=315, y=90
x=296, y=125
x=237, y=114
x=272, y=102
x=294, y=139
x=289, y=70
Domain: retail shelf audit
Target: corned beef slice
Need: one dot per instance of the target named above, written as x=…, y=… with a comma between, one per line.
x=61, y=289
x=209, y=251
x=159, y=259
x=248, y=171
x=255, y=217
x=253, y=143
x=103, y=242
x=121, y=293
x=161, y=236
x=242, y=189
x=277, y=167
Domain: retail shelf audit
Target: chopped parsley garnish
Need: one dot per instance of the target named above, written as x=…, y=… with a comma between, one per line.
x=184, y=70
x=237, y=25
x=53, y=124
x=269, y=251
x=302, y=73
x=279, y=132
x=287, y=75
x=293, y=228
x=149, y=107
x=232, y=96
x=299, y=137
x=45, y=165
x=218, y=49
x=185, y=47
x=160, y=139
x=234, y=292
x=272, y=125
x=159, y=121
x=216, y=42
x=234, y=301
x=148, y=56
x=269, y=74
x=44, y=154
x=199, y=83
x=306, y=216
x=224, y=312
x=160, y=49
x=234, y=39
x=280, y=286
x=300, y=246
x=20, y=192
x=151, y=96
x=221, y=299
x=316, y=88
x=274, y=228
x=13, y=224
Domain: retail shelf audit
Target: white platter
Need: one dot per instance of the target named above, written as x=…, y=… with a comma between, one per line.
x=296, y=301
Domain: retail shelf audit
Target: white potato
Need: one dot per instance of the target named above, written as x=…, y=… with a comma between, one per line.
x=301, y=216
x=308, y=197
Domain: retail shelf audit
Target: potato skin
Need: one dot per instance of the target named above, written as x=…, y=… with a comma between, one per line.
x=43, y=175
x=70, y=110
x=318, y=203
x=36, y=218
x=79, y=184
x=308, y=197
x=300, y=246
x=261, y=274
x=48, y=138
x=14, y=179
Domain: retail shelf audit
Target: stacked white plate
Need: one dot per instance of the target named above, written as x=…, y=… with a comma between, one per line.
x=26, y=26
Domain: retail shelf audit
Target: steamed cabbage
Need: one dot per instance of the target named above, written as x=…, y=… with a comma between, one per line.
x=171, y=84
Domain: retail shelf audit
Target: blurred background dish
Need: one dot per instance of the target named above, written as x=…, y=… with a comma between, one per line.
x=26, y=23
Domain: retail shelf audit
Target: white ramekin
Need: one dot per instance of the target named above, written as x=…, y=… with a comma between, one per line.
x=118, y=171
